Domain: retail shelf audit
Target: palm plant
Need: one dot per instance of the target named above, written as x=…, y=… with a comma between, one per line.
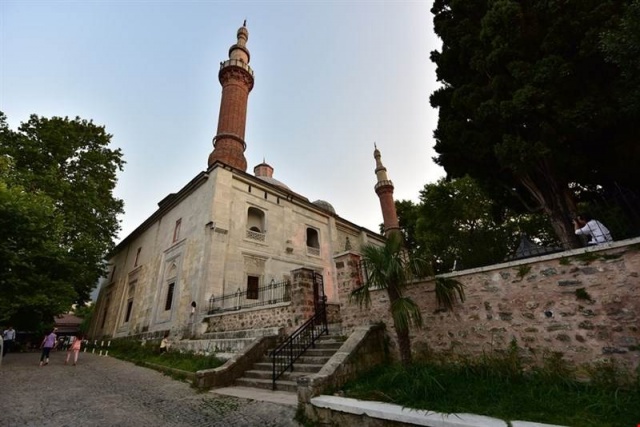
x=391, y=267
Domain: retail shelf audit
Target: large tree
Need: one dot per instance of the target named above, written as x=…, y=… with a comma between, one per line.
x=530, y=106
x=456, y=224
x=58, y=213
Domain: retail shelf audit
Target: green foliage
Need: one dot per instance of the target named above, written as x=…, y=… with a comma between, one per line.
x=392, y=268
x=85, y=312
x=58, y=217
x=582, y=294
x=448, y=292
x=531, y=99
x=498, y=385
x=523, y=270
x=457, y=223
x=133, y=351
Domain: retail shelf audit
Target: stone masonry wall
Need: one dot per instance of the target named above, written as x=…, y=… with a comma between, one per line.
x=285, y=315
x=584, y=303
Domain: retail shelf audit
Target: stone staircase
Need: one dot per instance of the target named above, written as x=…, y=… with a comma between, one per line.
x=310, y=362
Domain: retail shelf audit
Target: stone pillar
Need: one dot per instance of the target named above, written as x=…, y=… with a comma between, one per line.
x=302, y=307
x=348, y=278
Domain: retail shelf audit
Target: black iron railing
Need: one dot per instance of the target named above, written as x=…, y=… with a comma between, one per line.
x=297, y=343
x=251, y=297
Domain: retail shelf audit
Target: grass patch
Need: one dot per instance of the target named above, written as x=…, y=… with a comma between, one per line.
x=582, y=294
x=132, y=351
x=500, y=387
x=522, y=271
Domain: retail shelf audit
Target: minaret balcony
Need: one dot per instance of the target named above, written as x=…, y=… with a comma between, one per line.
x=385, y=183
x=236, y=63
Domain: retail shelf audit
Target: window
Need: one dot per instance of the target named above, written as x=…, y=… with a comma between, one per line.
x=131, y=293
x=128, y=313
x=135, y=264
x=169, y=302
x=255, y=224
x=253, y=284
x=255, y=220
x=313, y=242
x=176, y=230
x=105, y=311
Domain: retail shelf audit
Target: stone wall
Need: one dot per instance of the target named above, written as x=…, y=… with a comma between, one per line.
x=285, y=315
x=583, y=303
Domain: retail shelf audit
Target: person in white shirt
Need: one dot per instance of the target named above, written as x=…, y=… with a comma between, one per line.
x=9, y=336
x=594, y=229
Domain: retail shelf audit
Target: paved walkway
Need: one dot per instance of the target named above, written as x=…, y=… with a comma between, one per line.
x=103, y=391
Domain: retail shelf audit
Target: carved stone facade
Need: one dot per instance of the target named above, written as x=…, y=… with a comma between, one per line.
x=198, y=245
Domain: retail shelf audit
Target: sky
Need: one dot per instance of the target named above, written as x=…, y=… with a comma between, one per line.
x=331, y=78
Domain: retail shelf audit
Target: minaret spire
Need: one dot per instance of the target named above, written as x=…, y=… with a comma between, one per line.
x=384, y=190
x=236, y=78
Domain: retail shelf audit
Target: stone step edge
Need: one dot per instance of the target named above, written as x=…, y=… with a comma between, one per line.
x=396, y=413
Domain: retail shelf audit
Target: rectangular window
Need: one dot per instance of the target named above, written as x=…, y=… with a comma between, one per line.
x=169, y=301
x=176, y=230
x=129, y=307
x=135, y=264
x=253, y=283
x=105, y=312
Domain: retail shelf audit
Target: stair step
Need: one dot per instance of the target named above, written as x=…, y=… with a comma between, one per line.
x=297, y=367
x=282, y=385
x=267, y=375
x=313, y=352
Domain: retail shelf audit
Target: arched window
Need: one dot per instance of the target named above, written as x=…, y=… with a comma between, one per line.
x=255, y=224
x=255, y=220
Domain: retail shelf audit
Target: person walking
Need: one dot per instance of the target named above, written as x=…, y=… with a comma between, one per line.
x=75, y=348
x=9, y=336
x=48, y=343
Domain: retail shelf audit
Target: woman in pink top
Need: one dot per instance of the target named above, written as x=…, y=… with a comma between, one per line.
x=75, y=348
x=48, y=343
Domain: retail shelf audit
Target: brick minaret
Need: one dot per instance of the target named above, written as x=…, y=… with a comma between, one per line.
x=384, y=190
x=236, y=78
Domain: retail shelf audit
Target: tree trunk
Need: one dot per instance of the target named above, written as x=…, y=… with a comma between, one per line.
x=555, y=200
x=402, y=334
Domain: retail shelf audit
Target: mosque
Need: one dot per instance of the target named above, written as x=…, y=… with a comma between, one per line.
x=228, y=238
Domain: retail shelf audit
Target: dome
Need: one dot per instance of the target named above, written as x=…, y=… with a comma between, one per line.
x=323, y=204
x=273, y=181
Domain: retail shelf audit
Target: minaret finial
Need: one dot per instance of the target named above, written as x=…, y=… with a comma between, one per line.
x=244, y=24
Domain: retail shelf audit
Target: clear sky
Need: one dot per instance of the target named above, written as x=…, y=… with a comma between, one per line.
x=331, y=78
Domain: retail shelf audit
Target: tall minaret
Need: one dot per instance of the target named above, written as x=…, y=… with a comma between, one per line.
x=384, y=190
x=236, y=78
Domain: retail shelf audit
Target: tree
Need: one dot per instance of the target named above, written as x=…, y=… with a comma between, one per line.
x=529, y=105
x=457, y=224
x=34, y=268
x=391, y=268
x=58, y=213
x=85, y=312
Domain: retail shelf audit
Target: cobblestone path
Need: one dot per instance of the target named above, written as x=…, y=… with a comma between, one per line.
x=103, y=391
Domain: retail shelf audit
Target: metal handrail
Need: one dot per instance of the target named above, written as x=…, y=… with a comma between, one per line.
x=285, y=355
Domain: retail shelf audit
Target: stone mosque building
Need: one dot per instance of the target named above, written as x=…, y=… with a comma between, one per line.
x=228, y=240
